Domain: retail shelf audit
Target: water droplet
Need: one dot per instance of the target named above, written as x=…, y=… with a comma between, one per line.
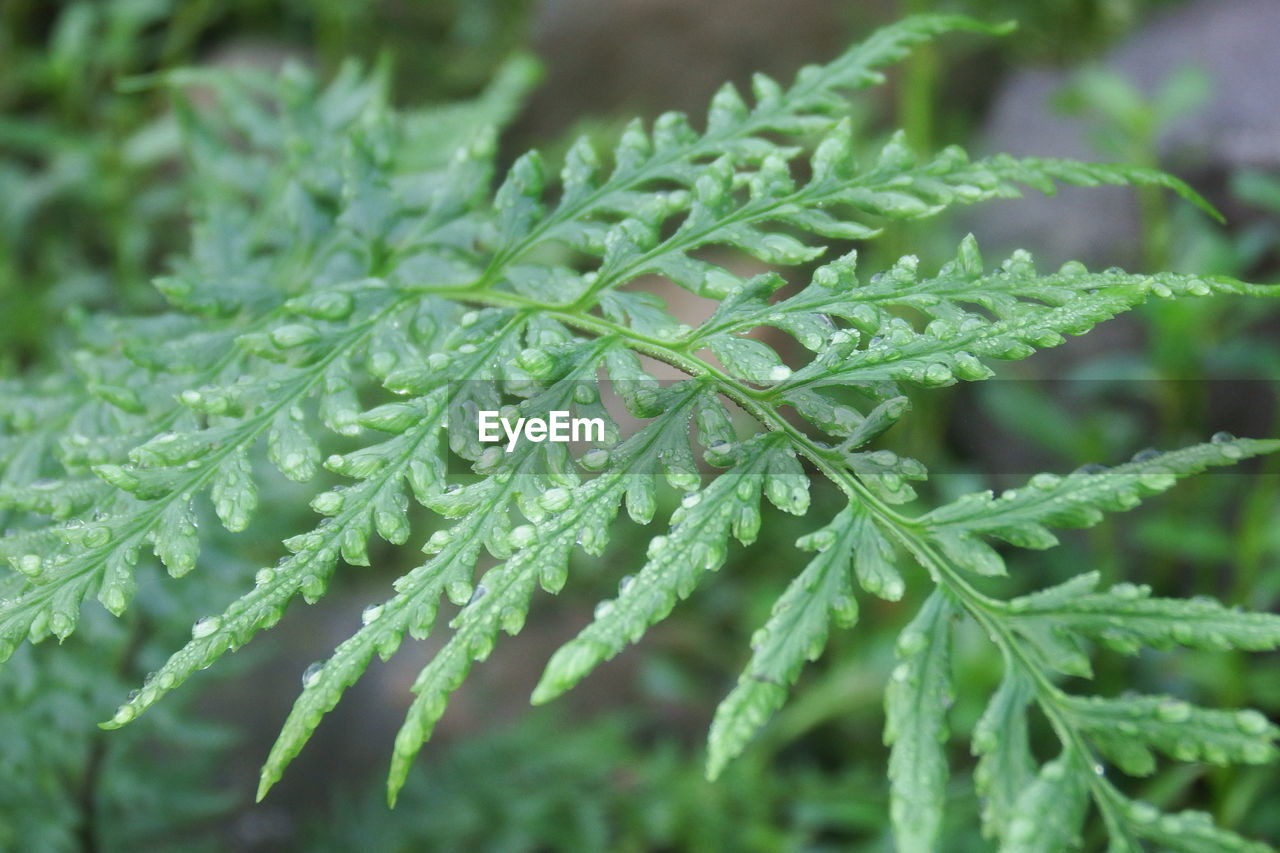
x=720, y=450
x=937, y=374
x=478, y=593
x=437, y=541
x=327, y=503
x=625, y=583
x=690, y=500
x=1045, y=481
x=595, y=459
x=264, y=577
x=779, y=372
x=911, y=643
x=603, y=609
x=1251, y=722
x=523, y=536
x=1140, y=812
x=538, y=362
x=1127, y=591
x=1231, y=451
x=1223, y=437
x=311, y=674
x=1173, y=711
x=1146, y=455
x=370, y=613
x=843, y=336
x=555, y=500
x=205, y=626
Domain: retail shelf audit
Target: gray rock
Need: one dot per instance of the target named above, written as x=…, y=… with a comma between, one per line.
x=1237, y=126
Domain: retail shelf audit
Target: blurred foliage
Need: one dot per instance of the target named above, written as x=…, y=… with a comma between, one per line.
x=70, y=788
x=89, y=166
x=1068, y=30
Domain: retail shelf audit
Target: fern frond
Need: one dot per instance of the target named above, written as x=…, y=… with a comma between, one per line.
x=1022, y=517
x=916, y=703
x=342, y=283
x=797, y=629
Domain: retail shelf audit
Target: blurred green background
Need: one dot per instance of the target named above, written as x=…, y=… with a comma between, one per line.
x=95, y=194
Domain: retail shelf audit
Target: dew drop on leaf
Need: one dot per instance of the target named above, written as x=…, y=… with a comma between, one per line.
x=311, y=674
x=523, y=536
x=205, y=626
x=1045, y=481
x=595, y=459
x=1173, y=711
x=1141, y=812
x=911, y=643
x=555, y=500
x=1252, y=722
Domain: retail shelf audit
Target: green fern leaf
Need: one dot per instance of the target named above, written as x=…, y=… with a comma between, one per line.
x=916, y=703
x=355, y=294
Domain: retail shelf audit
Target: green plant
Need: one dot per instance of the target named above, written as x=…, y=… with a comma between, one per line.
x=334, y=264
